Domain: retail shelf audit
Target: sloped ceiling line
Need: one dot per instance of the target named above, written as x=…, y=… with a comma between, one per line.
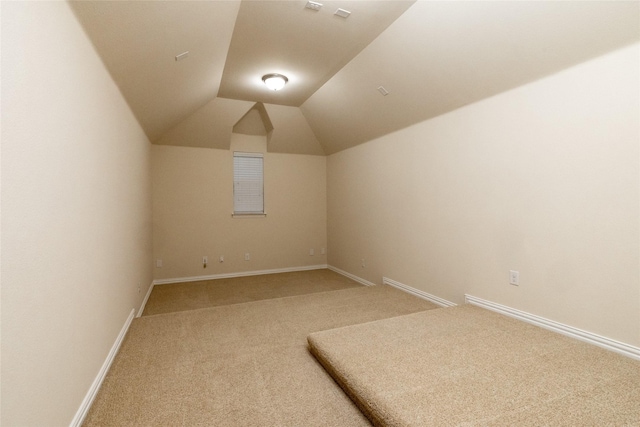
x=255, y=122
x=433, y=56
x=211, y=127
x=138, y=42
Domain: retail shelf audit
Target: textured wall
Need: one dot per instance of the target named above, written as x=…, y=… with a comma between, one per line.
x=193, y=203
x=542, y=179
x=76, y=214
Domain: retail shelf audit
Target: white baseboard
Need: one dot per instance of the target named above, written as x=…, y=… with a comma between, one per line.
x=351, y=276
x=239, y=274
x=97, y=382
x=417, y=292
x=144, y=302
x=591, y=338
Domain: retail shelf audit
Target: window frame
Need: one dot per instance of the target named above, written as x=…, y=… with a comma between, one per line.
x=241, y=210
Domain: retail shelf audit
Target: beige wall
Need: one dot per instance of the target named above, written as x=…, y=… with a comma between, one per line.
x=543, y=179
x=76, y=219
x=193, y=203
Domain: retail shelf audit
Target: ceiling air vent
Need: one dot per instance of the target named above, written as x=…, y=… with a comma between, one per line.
x=383, y=91
x=313, y=5
x=182, y=56
x=342, y=13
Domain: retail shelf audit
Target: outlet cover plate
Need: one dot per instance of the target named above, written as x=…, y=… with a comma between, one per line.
x=514, y=277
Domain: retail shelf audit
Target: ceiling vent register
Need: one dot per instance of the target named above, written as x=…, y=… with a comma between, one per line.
x=313, y=5
x=342, y=13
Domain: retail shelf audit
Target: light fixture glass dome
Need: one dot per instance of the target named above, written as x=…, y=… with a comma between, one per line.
x=275, y=81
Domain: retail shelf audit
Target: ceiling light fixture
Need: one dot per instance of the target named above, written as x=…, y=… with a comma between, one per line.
x=275, y=81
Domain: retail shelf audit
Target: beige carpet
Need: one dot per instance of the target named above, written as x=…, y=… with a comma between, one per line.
x=466, y=366
x=190, y=296
x=239, y=365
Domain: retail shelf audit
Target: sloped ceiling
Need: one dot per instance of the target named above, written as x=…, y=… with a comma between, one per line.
x=138, y=42
x=307, y=46
x=440, y=56
x=432, y=57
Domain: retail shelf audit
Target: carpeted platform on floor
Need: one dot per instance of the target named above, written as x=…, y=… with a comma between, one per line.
x=239, y=365
x=466, y=366
x=175, y=297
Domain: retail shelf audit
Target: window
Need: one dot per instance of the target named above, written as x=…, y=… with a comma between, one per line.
x=248, y=186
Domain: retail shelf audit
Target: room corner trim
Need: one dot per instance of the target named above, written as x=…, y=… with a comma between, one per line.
x=351, y=276
x=589, y=337
x=144, y=302
x=239, y=274
x=97, y=382
x=417, y=292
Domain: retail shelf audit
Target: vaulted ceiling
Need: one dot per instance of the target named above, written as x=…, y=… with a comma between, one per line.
x=431, y=56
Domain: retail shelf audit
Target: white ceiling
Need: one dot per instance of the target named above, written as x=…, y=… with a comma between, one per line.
x=307, y=46
x=138, y=42
x=442, y=55
x=432, y=56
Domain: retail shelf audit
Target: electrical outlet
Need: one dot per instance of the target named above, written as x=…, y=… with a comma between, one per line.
x=514, y=277
x=205, y=261
x=247, y=256
x=321, y=251
x=158, y=263
x=362, y=263
x=312, y=252
x=221, y=258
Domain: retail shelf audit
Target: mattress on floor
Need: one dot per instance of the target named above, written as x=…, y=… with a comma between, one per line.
x=469, y=366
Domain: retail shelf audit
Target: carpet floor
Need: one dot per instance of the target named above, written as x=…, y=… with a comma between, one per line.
x=467, y=366
x=243, y=364
x=210, y=293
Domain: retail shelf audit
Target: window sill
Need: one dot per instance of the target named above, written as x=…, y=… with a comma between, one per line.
x=248, y=215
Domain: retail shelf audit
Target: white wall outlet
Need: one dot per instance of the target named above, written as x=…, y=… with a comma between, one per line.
x=312, y=252
x=362, y=262
x=221, y=258
x=158, y=263
x=247, y=256
x=514, y=277
x=138, y=287
x=322, y=251
x=205, y=261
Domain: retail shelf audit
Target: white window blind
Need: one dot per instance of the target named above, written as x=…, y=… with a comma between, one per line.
x=248, y=186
